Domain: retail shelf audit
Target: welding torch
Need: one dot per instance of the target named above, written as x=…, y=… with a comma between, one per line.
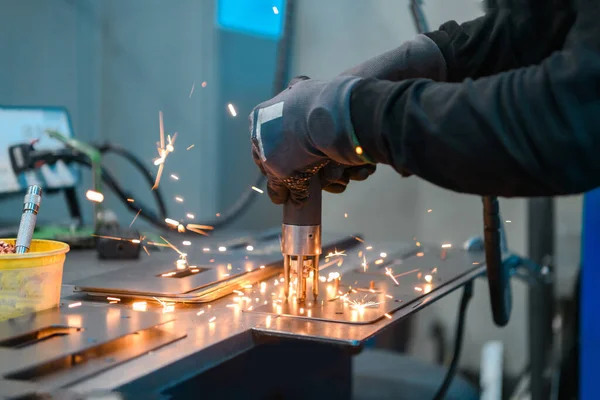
x=301, y=241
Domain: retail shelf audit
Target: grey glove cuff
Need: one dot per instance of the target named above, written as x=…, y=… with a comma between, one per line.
x=417, y=58
x=330, y=125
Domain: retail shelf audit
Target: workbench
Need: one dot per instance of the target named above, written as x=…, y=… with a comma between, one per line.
x=221, y=348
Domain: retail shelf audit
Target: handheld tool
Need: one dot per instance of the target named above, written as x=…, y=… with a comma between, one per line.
x=31, y=205
x=301, y=242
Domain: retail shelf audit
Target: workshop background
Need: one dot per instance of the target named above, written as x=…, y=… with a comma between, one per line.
x=115, y=63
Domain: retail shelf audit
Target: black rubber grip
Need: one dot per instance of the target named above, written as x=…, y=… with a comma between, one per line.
x=498, y=276
x=309, y=214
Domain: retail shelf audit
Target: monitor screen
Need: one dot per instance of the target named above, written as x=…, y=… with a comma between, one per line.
x=20, y=125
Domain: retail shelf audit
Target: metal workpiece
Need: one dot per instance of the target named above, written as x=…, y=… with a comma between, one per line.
x=185, y=340
x=31, y=205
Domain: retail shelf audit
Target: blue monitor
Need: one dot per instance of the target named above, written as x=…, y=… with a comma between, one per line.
x=20, y=125
x=255, y=17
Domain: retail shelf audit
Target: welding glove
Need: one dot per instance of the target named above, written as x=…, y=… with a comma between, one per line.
x=304, y=130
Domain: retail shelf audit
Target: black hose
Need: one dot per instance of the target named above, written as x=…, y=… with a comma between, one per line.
x=139, y=164
x=458, y=341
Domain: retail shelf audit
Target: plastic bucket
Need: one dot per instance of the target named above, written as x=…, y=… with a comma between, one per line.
x=31, y=282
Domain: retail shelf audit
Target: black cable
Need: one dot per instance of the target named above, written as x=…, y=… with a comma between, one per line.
x=458, y=341
x=139, y=164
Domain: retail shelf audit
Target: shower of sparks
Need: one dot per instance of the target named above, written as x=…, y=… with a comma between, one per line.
x=257, y=190
x=446, y=246
x=232, y=110
x=73, y=305
x=190, y=216
x=134, y=218
x=190, y=147
x=96, y=197
x=390, y=273
x=173, y=176
x=275, y=10
x=163, y=150
x=192, y=91
x=186, y=243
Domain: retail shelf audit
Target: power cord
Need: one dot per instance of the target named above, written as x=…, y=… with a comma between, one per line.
x=458, y=341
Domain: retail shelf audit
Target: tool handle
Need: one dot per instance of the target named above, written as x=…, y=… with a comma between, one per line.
x=497, y=273
x=309, y=214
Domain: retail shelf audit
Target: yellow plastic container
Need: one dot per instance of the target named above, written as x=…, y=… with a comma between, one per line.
x=31, y=282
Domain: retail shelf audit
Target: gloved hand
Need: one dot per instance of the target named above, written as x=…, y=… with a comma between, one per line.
x=304, y=130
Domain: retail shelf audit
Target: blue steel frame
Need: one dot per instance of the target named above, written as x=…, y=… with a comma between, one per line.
x=590, y=298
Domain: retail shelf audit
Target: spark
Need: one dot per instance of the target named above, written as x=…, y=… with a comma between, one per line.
x=173, y=176
x=180, y=228
x=412, y=271
x=369, y=248
x=420, y=254
x=383, y=255
x=146, y=250
x=130, y=200
x=136, y=241
x=194, y=270
x=218, y=214
x=190, y=147
x=173, y=247
x=204, y=84
x=232, y=305
x=167, y=308
x=275, y=10
x=378, y=262
x=389, y=296
x=322, y=278
x=364, y=264
x=222, y=248
x=167, y=274
x=336, y=253
x=113, y=298
x=446, y=246
x=213, y=319
x=263, y=287
x=229, y=267
x=171, y=222
x=232, y=110
x=186, y=243
x=359, y=150
x=301, y=310
x=262, y=267
x=248, y=286
x=94, y=196
x=140, y=306
x=73, y=305
x=418, y=244
x=388, y=316
x=250, y=308
x=389, y=272
x=358, y=239
x=179, y=199
x=200, y=312
x=418, y=289
x=250, y=248
x=428, y=278
x=206, y=249
x=508, y=221
x=332, y=276
x=134, y=218
x=112, y=302
x=192, y=91
x=257, y=190
x=190, y=215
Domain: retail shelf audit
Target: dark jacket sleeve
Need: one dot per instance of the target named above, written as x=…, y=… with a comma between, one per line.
x=514, y=34
x=533, y=131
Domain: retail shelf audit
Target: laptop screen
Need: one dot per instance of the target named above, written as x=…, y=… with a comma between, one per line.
x=19, y=125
